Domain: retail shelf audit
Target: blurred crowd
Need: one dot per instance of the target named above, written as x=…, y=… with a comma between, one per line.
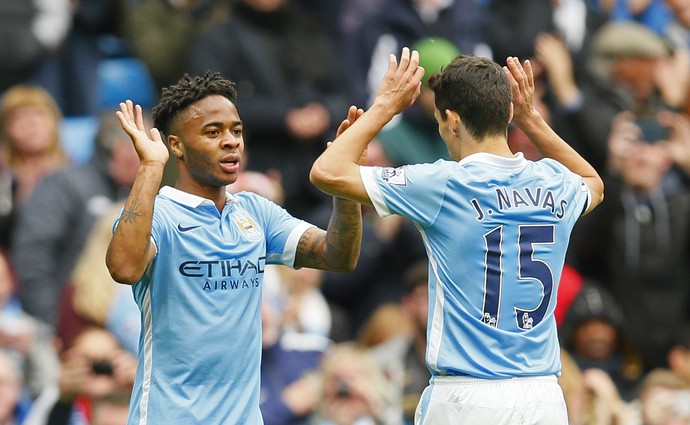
x=612, y=77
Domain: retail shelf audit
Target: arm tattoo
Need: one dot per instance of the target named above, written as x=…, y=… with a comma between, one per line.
x=310, y=246
x=333, y=250
x=130, y=214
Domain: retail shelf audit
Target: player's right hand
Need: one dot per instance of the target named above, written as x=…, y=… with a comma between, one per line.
x=149, y=146
x=401, y=85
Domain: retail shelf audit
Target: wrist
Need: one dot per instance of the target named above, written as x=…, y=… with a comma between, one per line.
x=531, y=122
x=383, y=109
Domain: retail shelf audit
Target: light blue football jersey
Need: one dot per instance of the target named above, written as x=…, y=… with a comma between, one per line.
x=200, y=303
x=496, y=231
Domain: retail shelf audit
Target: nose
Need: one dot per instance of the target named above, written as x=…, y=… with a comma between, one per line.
x=231, y=140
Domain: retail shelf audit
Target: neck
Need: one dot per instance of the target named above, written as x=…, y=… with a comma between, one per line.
x=216, y=194
x=497, y=145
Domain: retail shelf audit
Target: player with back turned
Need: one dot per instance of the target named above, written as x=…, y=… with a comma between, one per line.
x=495, y=227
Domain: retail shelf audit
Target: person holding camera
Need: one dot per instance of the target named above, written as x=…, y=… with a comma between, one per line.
x=355, y=389
x=639, y=242
x=93, y=367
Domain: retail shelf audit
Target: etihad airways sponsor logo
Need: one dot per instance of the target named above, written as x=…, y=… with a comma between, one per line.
x=222, y=268
x=223, y=275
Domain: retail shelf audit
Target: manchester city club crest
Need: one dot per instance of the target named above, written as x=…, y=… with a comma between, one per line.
x=247, y=225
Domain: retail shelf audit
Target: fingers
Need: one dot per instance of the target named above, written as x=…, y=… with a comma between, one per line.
x=520, y=76
x=353, y=113
x=529, y=73
x=405, y=59
x=156, y=135
x=139, y=118
x=392, y=64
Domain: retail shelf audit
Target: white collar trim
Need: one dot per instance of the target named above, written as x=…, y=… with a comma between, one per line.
x=189, y=199
x=517, y=162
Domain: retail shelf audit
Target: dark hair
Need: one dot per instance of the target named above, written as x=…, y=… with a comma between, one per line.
x=186, y=91
x=478, y=90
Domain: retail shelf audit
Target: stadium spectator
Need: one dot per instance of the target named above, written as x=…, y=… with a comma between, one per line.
x=14, y=403
x=594, y=334
x=664, y=399
x=28, y=340
x=94, y=366
x=637, y=243
x=30, y=142
x=414, y=138
x=392, y=24
x=161, y=32
x=93, y=298
x=30, y=31
x=291, y=89
x=55, y=221
x=355, y=389
x=288, y=360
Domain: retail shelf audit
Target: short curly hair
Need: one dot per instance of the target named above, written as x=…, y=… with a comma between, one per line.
x=177, y=97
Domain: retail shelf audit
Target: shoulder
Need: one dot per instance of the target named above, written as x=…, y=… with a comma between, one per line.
x=251, y=200
x=548, y=165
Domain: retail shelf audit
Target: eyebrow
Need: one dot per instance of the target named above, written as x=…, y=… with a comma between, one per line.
x=220, y=123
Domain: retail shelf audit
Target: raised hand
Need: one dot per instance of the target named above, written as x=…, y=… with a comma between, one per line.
x=521, y=80
x=149, y=147
x=352, y=114
x=402, y=83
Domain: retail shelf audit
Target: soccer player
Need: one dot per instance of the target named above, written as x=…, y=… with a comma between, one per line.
x=495, y=227
x=195, y=255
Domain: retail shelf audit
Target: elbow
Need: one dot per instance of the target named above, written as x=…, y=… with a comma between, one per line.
x=328, y=179
x=123, y=274
x=599, y=198
x=596, y=188
x=345, y=267
x=352, y=265
x=319, y=177
x=349, y=262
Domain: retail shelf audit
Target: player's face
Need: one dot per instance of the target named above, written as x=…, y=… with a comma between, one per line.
x=212, y=141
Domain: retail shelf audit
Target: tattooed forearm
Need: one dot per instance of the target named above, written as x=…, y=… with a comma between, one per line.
x=131, y=213
x=338, y=248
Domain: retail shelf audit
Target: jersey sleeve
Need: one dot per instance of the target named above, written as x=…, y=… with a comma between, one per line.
x=580, y=194
x=282, y=231
x=413, y=191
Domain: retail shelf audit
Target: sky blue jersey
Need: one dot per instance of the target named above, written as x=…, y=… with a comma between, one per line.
x=200, y=303
x=496, y=231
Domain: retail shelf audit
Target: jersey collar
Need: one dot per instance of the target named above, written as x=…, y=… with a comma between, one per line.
x=189, y=199
x=517, y=162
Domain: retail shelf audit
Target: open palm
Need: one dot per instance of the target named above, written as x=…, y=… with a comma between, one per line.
x=149, y=146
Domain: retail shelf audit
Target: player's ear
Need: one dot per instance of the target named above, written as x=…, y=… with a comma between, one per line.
x=453, y=120
x=512, y=110
x=175, y=145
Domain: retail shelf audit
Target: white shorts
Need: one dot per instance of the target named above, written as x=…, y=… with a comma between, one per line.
x=516, y=401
